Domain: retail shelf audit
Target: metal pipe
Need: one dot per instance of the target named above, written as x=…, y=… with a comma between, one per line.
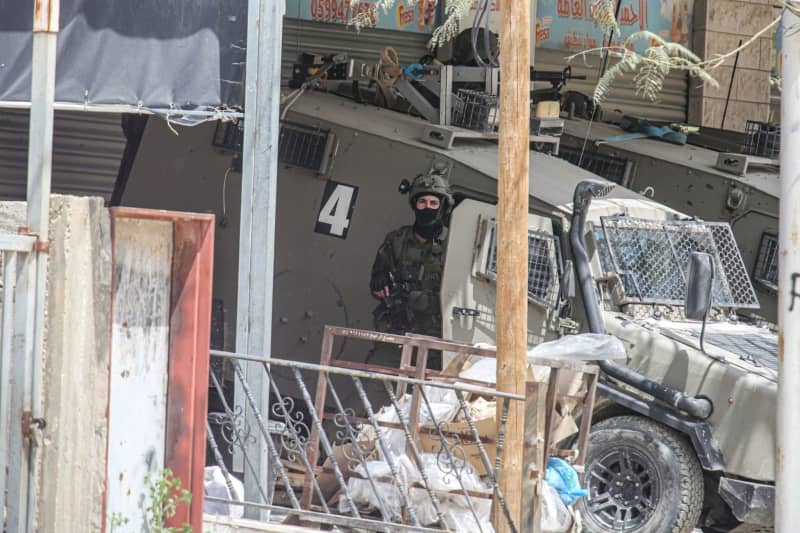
x=730, y=87
x=237, y=436
x=787, y=512
x=202, y=116
x=490, y=469
x=332, y=519
x=412, y=446
x=388, y=456
x=365, y=375
x=9, y=280
x=34, y=277
x=353, y=436
x=258, y=207
x=584, y=192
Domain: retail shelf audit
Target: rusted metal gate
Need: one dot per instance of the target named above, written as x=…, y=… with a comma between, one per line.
x=339, y=460
x=17, y=264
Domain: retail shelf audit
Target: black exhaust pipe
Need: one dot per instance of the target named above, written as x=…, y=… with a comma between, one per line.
x=584, y=193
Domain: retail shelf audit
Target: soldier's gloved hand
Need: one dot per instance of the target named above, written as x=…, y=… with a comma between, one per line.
x=379, y=285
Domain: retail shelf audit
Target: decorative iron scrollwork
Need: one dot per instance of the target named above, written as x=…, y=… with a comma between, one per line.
x=234, y=428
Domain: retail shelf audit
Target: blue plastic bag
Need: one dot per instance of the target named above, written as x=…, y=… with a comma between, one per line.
x=562, y=477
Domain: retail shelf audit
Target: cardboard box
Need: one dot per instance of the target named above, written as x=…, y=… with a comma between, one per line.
x=460, y=436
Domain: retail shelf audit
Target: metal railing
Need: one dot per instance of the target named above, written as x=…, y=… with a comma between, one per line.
x=427, y=460
x=16, y=332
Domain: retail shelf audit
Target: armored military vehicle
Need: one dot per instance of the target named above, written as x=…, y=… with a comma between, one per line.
x=717, y=175
x=686, y=432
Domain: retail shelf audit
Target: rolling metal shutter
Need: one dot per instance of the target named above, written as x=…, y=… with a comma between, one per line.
x=671, y=107
x=87, y=148
x=314, y=37
x=318, y=38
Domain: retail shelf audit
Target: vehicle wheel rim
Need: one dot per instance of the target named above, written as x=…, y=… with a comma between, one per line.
x=623, y=489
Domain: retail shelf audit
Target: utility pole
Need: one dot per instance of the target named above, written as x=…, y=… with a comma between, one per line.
x=512, y=249
x=257, y=222
x=787, y=489
x=28, y=338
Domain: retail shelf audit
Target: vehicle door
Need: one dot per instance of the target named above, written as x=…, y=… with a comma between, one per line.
x=469, y=283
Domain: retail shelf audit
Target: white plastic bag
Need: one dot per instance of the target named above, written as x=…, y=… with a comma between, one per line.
x=583, y=347
x=216, y=487
x=483, y=369
x=555, y=515
x=449, y=493
x=364, y=496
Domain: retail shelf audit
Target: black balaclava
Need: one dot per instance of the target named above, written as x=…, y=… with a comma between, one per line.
x=428, y=223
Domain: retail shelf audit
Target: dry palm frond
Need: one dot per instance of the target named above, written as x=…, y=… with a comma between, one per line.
x=650, y=69
x=454, y=12
x=603, y=16
x=629, y=62
x=649, y=79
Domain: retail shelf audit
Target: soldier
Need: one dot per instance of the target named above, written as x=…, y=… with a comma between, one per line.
x=407, y=272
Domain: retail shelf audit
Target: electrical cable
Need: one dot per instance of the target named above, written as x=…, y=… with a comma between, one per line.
x=476, y=24
x=224, y=219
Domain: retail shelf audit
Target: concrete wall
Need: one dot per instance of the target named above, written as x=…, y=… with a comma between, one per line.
x=185, y=173
x=75, y=366
x=717, y=28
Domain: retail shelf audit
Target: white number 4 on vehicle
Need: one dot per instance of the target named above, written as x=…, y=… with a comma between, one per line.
x=336, y=210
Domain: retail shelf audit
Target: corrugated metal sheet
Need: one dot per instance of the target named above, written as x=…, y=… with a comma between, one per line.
x=672, y=106
x=87, y=148
x=315, y=37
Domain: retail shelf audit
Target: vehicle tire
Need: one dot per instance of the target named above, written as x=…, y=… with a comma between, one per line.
x=642, y=478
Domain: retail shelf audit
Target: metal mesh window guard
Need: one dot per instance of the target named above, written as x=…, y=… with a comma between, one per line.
x=302, y=146
x=652, y=257
x=475, y=110
x=762, y=139
x=766, y=271
x=542, y=266
x=611, y=168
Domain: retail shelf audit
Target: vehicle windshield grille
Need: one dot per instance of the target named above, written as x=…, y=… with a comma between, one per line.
x=652, y=259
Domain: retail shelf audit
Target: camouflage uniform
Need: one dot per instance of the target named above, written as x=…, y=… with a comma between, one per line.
x=411, y=264
x=417, y=269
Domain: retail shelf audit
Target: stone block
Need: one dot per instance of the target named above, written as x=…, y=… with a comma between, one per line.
x=717, y=43
x=735, y=17
x=75, y=367
x=737, y=116
x=748, y=85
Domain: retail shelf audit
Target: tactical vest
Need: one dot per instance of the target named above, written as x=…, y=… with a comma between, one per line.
x=419, y=265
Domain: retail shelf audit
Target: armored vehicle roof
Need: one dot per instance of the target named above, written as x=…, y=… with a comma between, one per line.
x=552, y=180
x=692, y=157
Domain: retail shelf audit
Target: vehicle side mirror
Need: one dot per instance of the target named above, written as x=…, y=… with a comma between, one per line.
x=698, y=286
x=568, y=281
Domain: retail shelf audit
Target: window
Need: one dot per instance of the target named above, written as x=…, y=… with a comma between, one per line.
x=305, y=146
x=766, y=272
x=542, y=265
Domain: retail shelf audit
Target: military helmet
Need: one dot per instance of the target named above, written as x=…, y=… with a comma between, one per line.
x=433, y=182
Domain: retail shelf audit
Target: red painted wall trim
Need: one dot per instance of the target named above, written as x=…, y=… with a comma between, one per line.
x=190, y=331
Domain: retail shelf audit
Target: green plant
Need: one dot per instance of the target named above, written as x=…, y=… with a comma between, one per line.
x=117, y=520
x=164, y=495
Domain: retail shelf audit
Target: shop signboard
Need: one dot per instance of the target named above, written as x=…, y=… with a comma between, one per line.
x=569, y=24
x=418, y=17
